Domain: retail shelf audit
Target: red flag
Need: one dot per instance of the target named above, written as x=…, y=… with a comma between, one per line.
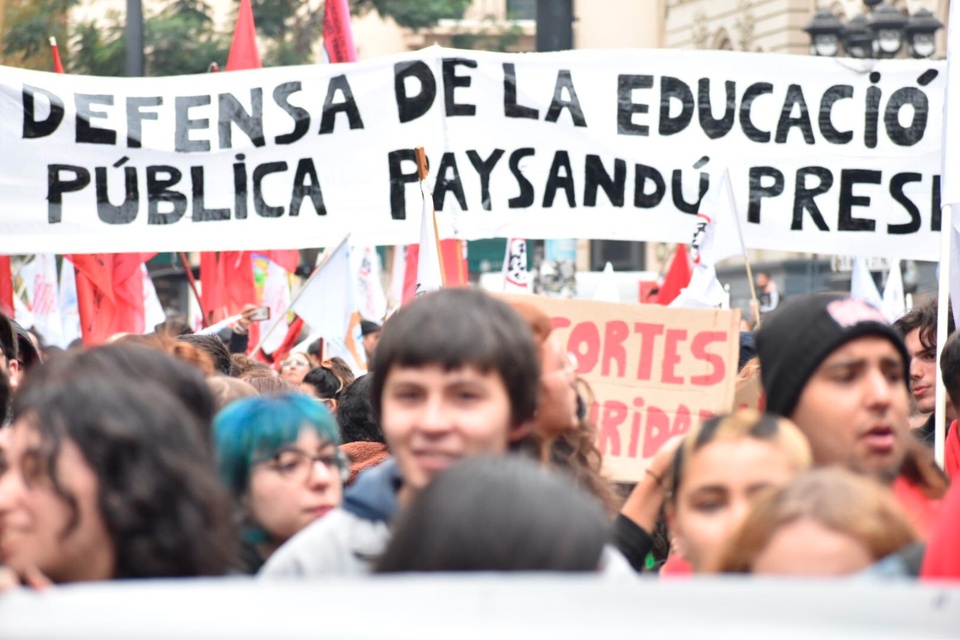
x=109, y=294
x=453, y=255
x=243, y=50
x=289, y=342
x=288, y=259
x=211, y=294
x=677, y=277
x=6, y=287
x=455, y=271
x=337, y=35
x=55, y=52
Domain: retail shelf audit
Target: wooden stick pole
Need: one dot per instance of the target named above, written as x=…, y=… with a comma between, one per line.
x=193, y=287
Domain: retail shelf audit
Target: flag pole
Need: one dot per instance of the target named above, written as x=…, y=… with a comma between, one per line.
x=743, y=249
x=422, y=172
x=943, y=306
x=193, y=287
x=323, y=263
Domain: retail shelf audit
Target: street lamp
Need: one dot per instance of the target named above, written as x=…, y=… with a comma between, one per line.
x=858, y=38
x=888, y=26
x=824, y=31
x=922, y=30
x=881, y=33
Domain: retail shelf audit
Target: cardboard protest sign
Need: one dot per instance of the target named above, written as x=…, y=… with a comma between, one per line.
x=824, y=155
x=654, y=371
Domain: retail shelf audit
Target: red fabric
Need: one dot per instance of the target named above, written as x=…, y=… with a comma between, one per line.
x=455, y=269
x=454, y=259
x=55, y=51
x=951, y=453
x=243, y=50
x=289, y=342
x=6, y=287
x=941, y=561
x=677, y=277
x=109, y=294
x=212, y=297
x=676, y=566
x=921, y=510
x=289, y=259
x=337, y=35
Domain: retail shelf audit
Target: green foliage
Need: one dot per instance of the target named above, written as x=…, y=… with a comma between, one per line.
x=28, y=26
x=491, y=36
x=180, y=38
x=415, y=14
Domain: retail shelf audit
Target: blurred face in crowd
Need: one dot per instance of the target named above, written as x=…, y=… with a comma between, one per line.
x=298, y=485
x=38, y=528
x=720, y=481
x=294, y=368
x=557, y=406
x=433, y=417
x=854, y=408
x=923, y=372
x=807, y=548
x=370, y=344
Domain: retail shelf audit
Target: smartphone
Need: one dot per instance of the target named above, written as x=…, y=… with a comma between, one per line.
x=260, y=314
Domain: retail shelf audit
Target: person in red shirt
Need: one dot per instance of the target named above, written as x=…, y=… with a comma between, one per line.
x=950, y=371
x=835, y=367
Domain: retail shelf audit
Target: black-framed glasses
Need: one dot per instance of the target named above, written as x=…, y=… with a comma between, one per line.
x=297, y=466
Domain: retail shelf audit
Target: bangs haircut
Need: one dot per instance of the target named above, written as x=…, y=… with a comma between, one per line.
x=456, y=328
x=252, y=430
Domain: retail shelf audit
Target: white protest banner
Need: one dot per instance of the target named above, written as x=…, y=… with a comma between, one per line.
x=825, y=155
x=654, y=370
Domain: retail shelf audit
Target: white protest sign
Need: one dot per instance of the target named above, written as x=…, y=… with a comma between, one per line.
x=826, y=156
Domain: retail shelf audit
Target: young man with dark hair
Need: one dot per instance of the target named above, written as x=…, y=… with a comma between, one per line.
x=833, y=366
x=950, y=371
x=918, y=328
x=455, y=375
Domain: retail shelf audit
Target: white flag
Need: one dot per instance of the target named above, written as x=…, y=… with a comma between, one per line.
x=69, y=310
x=607, y=289
x=44, y=299
x=398, y=272
x=326, y=301
x=716, y=238
x=862, y=285
x=515, y=278
x=893, y=299
x=428, y=261
x=153, y=313
x=276, y=297
x=370, y=295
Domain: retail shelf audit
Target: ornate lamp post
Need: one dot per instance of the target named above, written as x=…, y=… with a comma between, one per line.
x=921, y=31
x=880, y=33
x=824, y=30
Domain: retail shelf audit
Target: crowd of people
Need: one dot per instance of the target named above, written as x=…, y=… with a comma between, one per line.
x=468, y=447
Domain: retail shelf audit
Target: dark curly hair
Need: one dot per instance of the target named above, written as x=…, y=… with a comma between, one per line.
x=164, y=509
x=355, y=415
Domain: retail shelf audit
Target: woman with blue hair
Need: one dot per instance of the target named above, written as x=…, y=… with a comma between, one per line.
x=279, y=458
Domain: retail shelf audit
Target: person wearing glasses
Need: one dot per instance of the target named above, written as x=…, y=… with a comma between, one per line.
x=279, y=458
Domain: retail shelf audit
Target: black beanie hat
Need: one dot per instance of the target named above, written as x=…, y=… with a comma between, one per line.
x=795, y=338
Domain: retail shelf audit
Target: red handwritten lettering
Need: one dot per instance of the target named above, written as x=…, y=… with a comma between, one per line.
x=699, y=350
x=648, y=338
